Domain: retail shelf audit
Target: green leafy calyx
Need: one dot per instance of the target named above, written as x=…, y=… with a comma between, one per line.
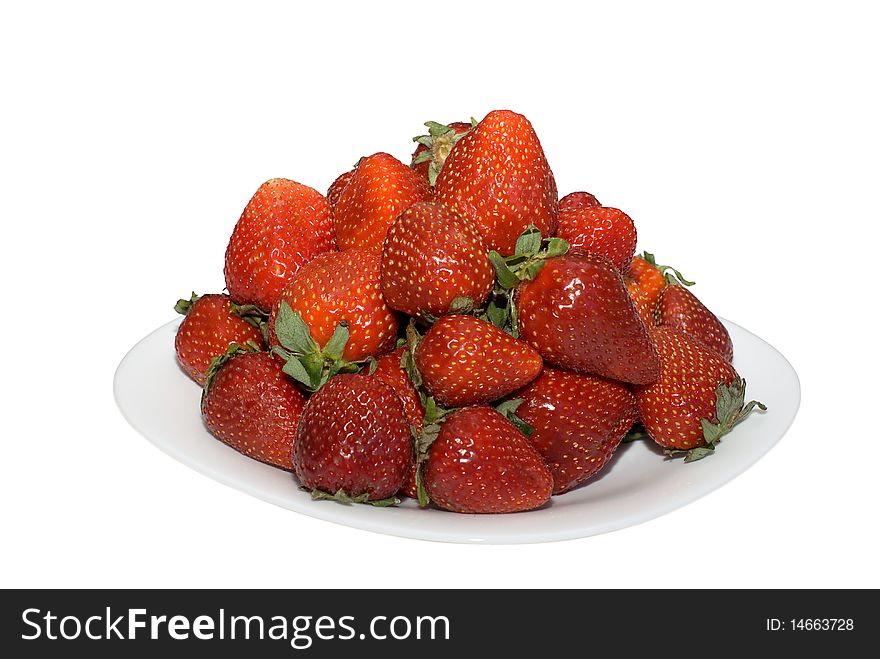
x=304, y=360
x=730, y=410
x=438, y=144
x=669, y=273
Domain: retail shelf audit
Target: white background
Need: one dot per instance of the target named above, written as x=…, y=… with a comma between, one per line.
x=743, y=141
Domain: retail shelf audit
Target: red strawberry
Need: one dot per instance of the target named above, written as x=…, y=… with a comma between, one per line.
x=601, y=230
x=578, y=422
x=679, y=308
x=480, y=463
x=575, y=201
x=697, y=399
x=434, y=262
x=252, y=406
x=645, y=281
x=465, y=361
x=283, y=227
x=353, y=441
x=434, y=148
x=498, y=176
x=577, y=313
x=337, y=287
x=334, y=192
x=212, y=324
x=389, y=370
x=380, y=189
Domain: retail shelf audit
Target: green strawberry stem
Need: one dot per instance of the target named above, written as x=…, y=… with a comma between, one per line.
x=340, y=496
x=508, y=410
x=183, y=306
x=671, y=275
x=635, y=434
x=251, y=314
x=730, y=410
x=530, y=255
x=304, y=360
x=218, y=361
x=438, y=144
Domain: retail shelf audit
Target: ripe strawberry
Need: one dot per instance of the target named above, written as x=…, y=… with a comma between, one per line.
x=389, y=370
x=252, y=406
x=283, y=227
x=380, y=189
x=645, y=282
x=498, y=176
x=578, y=422
x=480, y=463
x=697, y=399
x=576, y=312
x=336, y=288
x=334, y=192
x=679, y=308
x=575, y=201
x=353, y=442
x=465, y=361
x=212, y=324
x=601, y=230
x=434, y=148
x=434, y=262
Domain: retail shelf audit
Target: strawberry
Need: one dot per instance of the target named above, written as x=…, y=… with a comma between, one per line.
x=576, y=312
x=679, y=308
x=251, y=405
x=465, y=361
x=334, y=192
x=353, y=442
x=212, y=324
x=575, y=201
x=390, y=370
x=602, y=230
x=283, y=227
x=578, y=422
x=342, y=287
x=380, y=189
x=645, y=281
x=697, y=399
x=480, y=463
x=434, y=148
x=434, y=262
x=498, y=176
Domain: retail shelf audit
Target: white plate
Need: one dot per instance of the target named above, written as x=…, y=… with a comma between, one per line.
x=158, y=399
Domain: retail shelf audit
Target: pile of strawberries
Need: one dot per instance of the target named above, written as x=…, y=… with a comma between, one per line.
x=452, y=331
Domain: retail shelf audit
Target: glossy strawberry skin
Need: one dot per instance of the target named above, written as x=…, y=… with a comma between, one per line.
x=207, y=330
x=353, y=436
x=283, y=227
x=579, y=316
x=432, y=255
x=460, y=128
x=380, y=189
x=679, y=308
x=685, y=392
x=466, y=361
x=498, y=176
x=578, y=422
x=575, y=201
x=252, y=406
x=334, y=192
x=342, y=286
x=601, y=230
x=388, y=370
x=480, y=463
